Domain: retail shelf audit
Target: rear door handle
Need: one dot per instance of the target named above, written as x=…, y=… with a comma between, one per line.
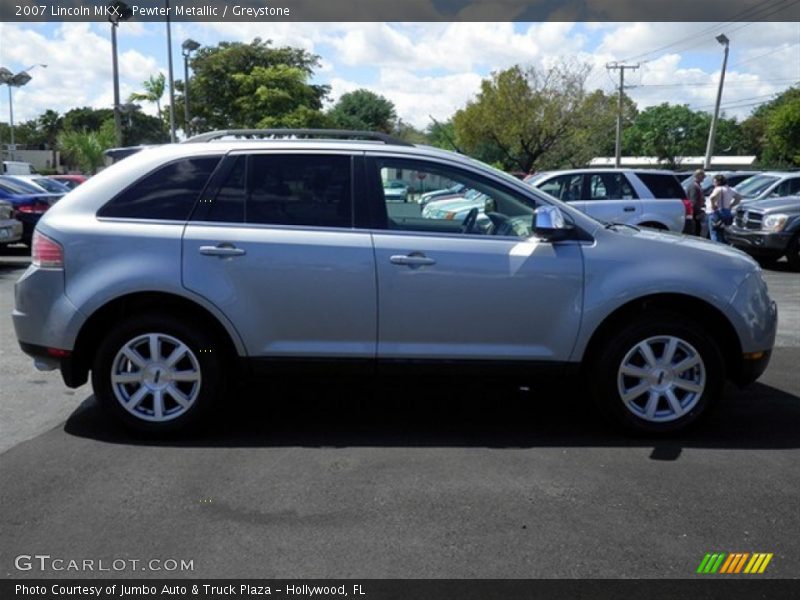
x=415, y=259
x=222, y=250
x=629, y=208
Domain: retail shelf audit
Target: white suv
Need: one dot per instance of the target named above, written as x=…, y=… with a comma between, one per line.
x=645, y=198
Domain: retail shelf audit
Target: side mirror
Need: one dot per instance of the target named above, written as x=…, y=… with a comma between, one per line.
x=549, y=224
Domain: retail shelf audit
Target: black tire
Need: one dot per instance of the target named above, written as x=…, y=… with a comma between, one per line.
x=793, y=253
x=606, y=380
x=203, y=357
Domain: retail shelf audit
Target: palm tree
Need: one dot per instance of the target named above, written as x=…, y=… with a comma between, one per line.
x=154, y=89
x=51, y=123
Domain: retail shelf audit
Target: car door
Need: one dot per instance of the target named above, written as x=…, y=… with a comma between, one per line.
x=481, y=288
x=610, y=198
x=272, y=246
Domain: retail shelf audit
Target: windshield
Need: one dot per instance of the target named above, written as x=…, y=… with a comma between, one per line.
x=17, y=187
x=756, y=185
x=51, y=185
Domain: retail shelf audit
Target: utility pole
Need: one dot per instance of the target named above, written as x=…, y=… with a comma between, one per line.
x=722, y=39
x=172, y=137
x=618, y=147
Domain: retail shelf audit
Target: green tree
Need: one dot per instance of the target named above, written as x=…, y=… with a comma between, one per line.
x=364, y=110
x=667, y=132
x=153, y=92
x=85, y=148
x=591, y=133
x=237, y=85
x=442, y=134
x=51, y=123
x=783, y=134
x=521, y=114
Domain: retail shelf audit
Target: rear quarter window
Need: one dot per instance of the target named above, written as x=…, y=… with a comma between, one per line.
x=662, y=185
x=168, y=193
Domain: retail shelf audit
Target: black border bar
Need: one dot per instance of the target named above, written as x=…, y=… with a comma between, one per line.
x=272, y=11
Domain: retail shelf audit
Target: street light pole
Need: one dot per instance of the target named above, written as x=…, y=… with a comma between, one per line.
x=17, y=80
x=722, y=39
x=120, y=12
x=172, y=137
x=188, y=46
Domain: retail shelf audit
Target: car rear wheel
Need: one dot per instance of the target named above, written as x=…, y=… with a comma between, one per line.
x=659, y=374
x=156, y=374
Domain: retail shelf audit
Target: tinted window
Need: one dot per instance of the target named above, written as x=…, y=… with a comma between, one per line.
x=228, y=205
x=662, y=185
x=313, y=190
x=168, y=193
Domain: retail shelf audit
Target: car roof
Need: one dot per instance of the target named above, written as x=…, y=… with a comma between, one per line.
x=607, y=170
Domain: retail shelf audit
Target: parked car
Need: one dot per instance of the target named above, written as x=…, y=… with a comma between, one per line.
x=395, y=191
x=453, y=191
x=768, y=229
x=71, y=180
x=733, y=178
x=16, y=167
x=29, y=203
x=186, y=267
x=42, y=183
x=770, y=184
x=643, y=198
x=10, y=228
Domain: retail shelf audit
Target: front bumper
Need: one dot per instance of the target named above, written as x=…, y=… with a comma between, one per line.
x=753, y=367
x=757, y=242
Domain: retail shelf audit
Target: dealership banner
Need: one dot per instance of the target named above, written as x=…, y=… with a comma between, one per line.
x=267, y=11
x=403, y=589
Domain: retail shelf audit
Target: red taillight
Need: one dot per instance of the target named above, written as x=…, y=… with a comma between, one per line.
x=34, y=209
x=58, y=353
x=687, y=205
x=46, y=253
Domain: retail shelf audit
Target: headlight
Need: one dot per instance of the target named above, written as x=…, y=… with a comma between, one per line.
x=774, y=222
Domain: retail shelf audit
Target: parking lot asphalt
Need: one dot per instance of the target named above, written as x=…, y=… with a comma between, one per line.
x=301, y=481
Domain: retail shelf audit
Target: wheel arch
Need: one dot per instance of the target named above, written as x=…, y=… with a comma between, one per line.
x=709, y=316
x=122, y=307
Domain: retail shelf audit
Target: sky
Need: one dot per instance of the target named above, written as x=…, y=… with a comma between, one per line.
x=426, y=69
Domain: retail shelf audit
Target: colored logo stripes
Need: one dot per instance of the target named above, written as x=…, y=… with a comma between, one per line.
x=737, y=562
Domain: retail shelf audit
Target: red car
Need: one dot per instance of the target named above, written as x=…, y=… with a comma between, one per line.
x=71, y=181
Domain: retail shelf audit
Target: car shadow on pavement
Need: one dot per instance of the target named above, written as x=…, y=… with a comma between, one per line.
x=760, y=417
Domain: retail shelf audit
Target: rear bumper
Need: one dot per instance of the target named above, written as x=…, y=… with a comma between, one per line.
x=72, y=373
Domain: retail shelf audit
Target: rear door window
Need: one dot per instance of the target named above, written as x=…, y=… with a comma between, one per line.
x=609, y=186
x=662, y=185
x=300, y=189
x=168, y=193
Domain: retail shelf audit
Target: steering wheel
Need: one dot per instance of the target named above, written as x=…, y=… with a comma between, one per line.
x=501, y=224
x=468, y=225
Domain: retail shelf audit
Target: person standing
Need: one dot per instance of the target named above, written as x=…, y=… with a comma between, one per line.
x=694, y=193
x=723, y=199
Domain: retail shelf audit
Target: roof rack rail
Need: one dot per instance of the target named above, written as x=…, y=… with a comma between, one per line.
x=300, y=133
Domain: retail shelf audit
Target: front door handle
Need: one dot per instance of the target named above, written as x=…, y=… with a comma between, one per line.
x=629, y=208
x=415, y=259
x=222, y=250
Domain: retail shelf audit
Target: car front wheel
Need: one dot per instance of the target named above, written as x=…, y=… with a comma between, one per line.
x=659, y=374
x=156, y=374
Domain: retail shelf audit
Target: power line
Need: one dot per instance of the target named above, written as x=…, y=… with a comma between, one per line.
x=731, y=84
x=759, y=11
x=771, y=52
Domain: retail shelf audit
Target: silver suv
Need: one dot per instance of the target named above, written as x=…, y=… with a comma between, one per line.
x=182, y=268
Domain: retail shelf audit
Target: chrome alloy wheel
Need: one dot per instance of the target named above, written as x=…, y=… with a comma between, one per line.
x=661, y=379
x=156, y=377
